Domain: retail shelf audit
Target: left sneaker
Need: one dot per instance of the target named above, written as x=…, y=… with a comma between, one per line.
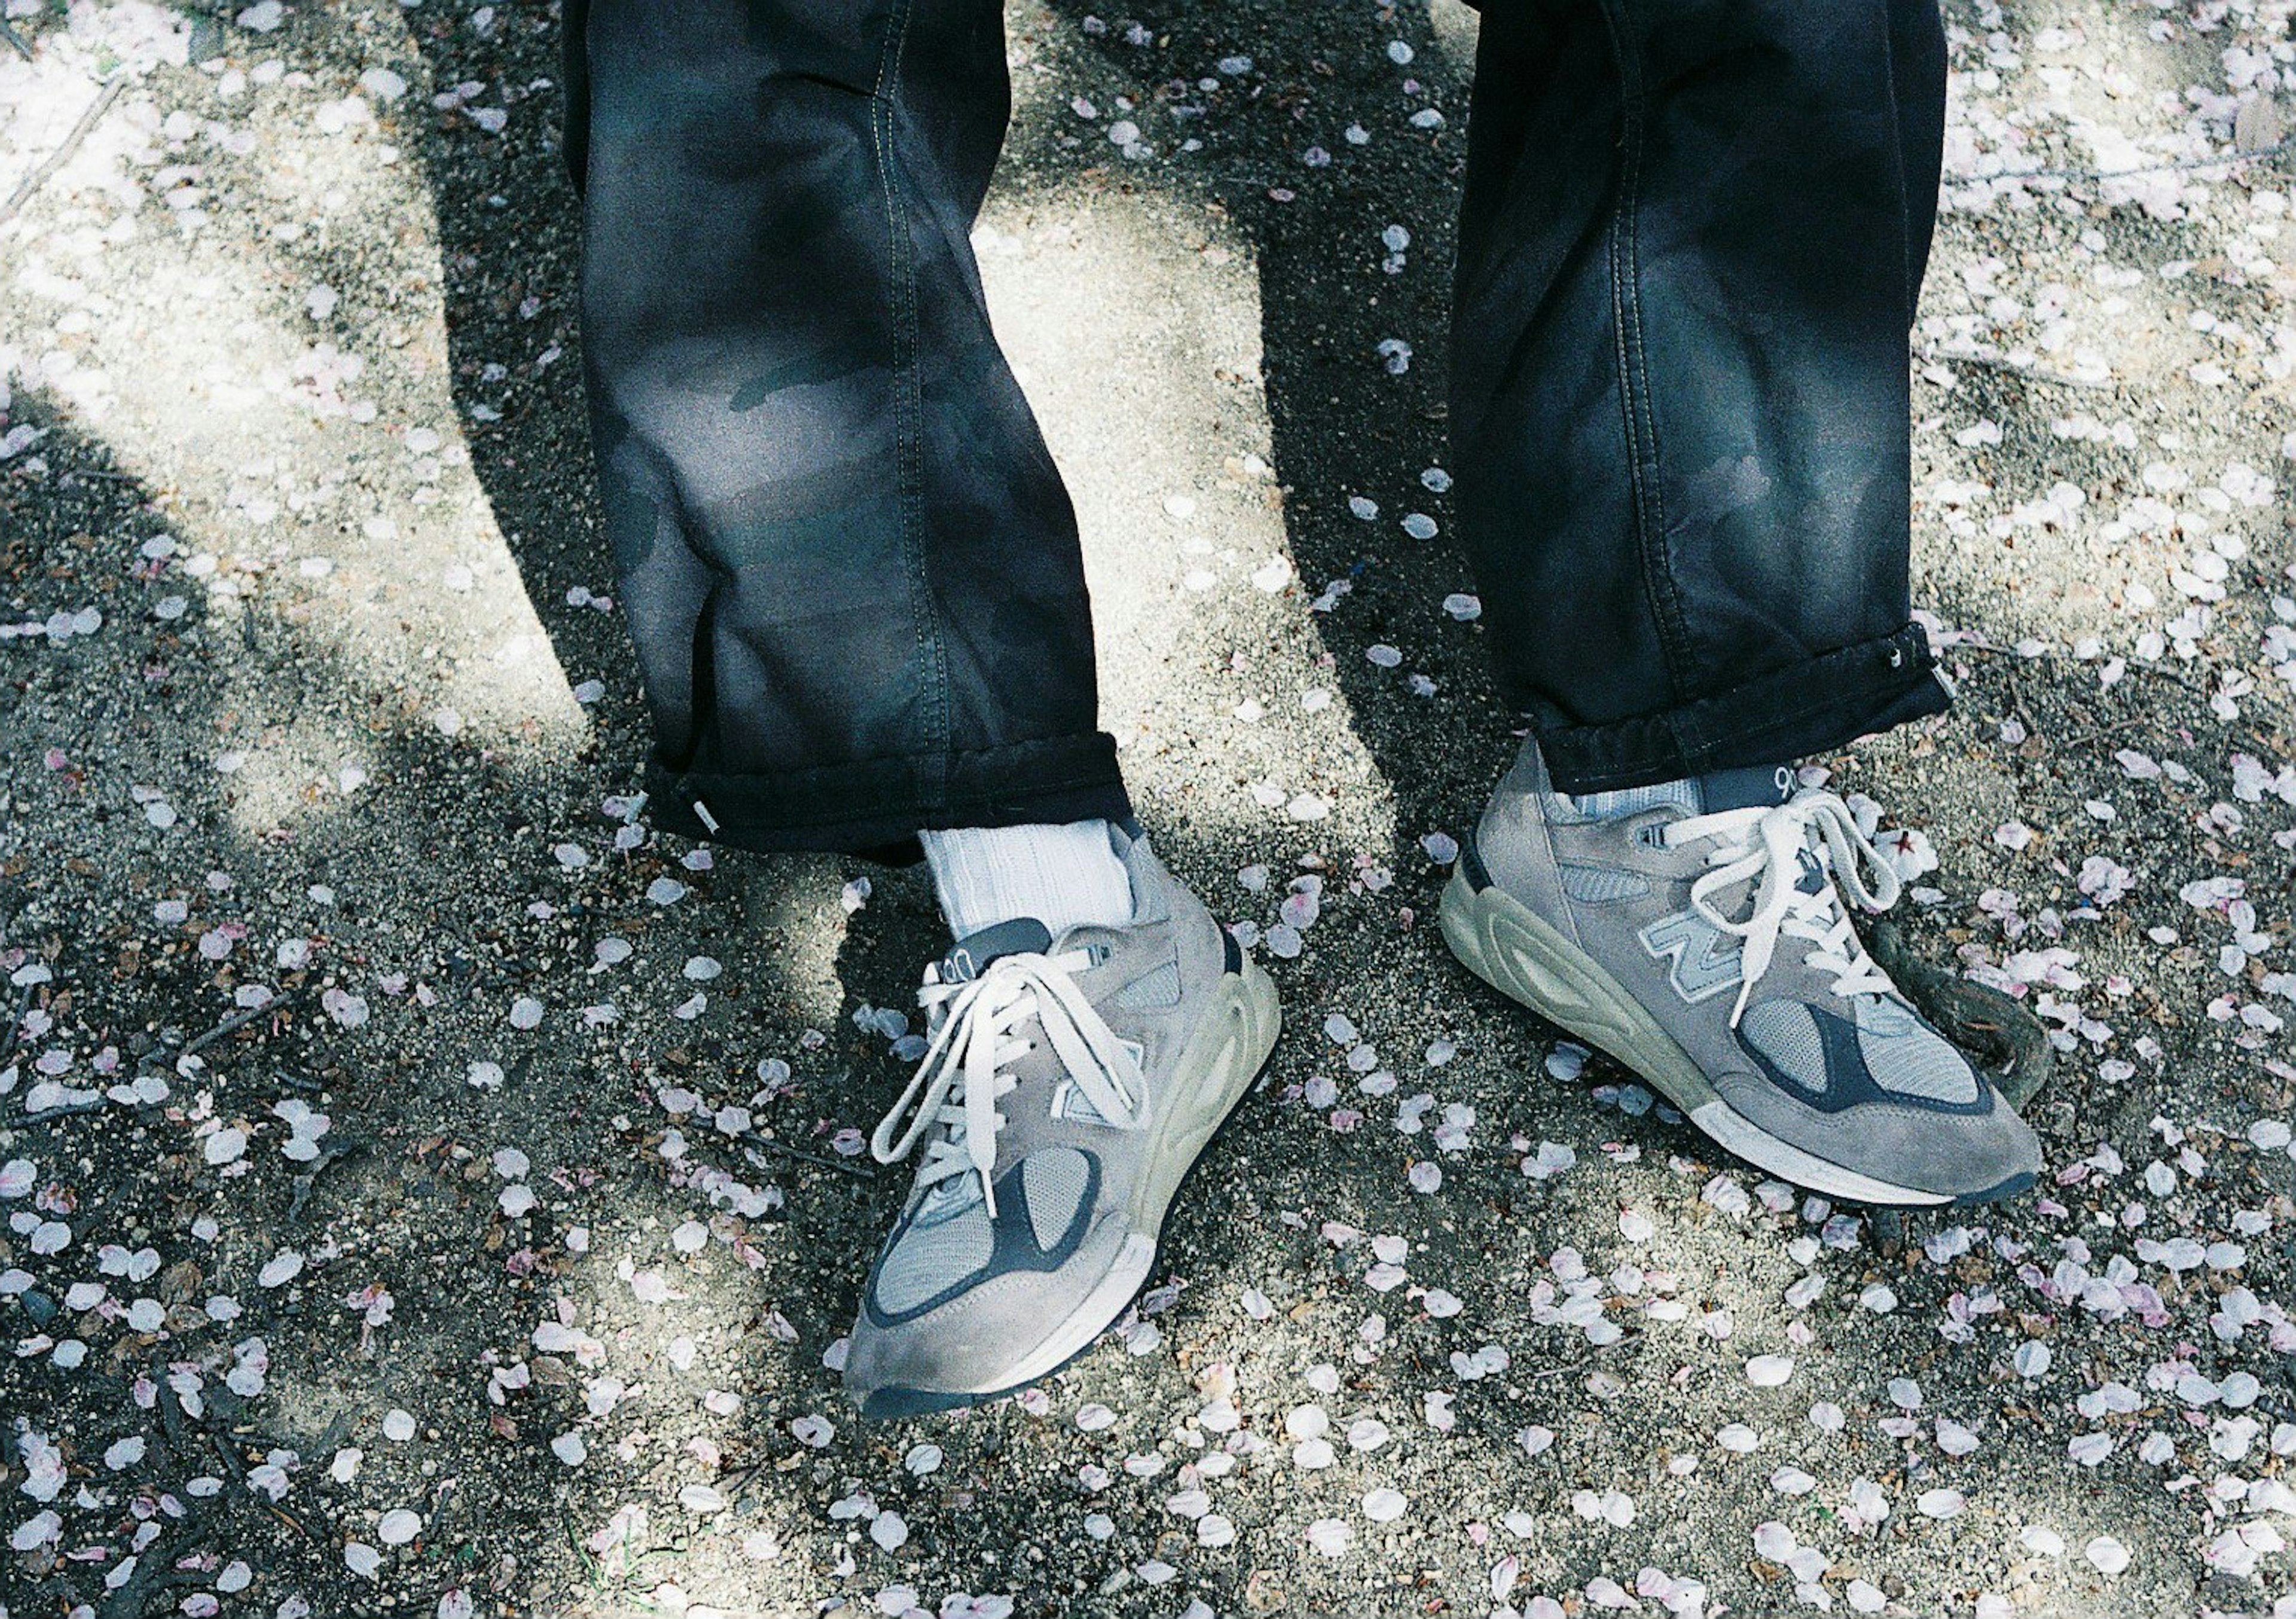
x=1068, y=1085
x=1701, y=939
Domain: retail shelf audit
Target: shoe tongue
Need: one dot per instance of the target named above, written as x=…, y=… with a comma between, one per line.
x=971, y=955
x=1759, y=786
x=1762, y=787
x=1751, y=787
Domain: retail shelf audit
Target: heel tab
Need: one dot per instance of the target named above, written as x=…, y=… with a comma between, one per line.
x=1527, y=774
x=1471, y=868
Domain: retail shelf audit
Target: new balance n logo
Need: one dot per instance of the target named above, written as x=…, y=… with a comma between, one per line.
x=1705, y=959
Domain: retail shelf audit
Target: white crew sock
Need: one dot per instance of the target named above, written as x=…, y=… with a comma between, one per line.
x=1064, y=875
x=1633, y=800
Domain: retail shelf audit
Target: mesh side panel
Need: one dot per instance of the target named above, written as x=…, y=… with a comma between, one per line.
x=1906, y=1055
x=1152, y=989
x=1056, y=1179
x=927, y=1258
x=1786, y=1032
x=1596, y=885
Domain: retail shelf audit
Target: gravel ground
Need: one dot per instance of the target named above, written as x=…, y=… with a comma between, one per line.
x=427, y=1192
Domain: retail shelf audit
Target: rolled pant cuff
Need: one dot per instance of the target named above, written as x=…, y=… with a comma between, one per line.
x=877, y=807
x=1790, y=713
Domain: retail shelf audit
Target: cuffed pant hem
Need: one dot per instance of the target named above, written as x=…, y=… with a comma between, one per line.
x=876, y=807
x=1812, y=707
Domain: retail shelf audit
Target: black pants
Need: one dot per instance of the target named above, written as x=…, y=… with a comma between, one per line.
x=1692, y=237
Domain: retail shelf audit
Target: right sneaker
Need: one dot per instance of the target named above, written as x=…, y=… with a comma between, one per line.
x=1068, y=1085
x=1700, y=938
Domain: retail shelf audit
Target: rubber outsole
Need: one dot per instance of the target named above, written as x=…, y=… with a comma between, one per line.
x=1251, y=996
x=1503, y=942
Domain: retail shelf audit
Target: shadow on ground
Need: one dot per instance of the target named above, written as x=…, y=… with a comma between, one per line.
x=615, y=1395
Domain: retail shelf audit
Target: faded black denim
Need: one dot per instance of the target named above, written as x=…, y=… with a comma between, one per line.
x=1692, y=238
x=1691, y=241
x=851, y=567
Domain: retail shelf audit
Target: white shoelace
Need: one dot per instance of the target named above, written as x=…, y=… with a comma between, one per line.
x=1768, y=844
x=974, y=1040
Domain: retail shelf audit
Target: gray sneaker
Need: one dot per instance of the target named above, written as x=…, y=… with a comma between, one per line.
x=1702, y=941
x=1068, y=1085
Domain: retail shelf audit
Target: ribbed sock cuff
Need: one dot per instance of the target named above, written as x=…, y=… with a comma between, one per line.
x=1634, y=800
x=1064, y=875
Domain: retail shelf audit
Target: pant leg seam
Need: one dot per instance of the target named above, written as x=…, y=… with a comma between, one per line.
x=1634, y=382
x=1898, y=157
x=909, y=407
x=574, y=132
x=665, y=504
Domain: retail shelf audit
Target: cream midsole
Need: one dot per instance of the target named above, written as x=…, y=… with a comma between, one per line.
x=1789, y=1162
x=1508, y=946
x=1090, y=1319
x=1222, y=1059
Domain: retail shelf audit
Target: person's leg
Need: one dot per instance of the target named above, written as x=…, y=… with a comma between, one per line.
x=1691, y=240
x=849, y=565
x=854, y=579
x=1690, y=246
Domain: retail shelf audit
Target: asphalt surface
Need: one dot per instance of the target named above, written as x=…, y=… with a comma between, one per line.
x=426, y=1193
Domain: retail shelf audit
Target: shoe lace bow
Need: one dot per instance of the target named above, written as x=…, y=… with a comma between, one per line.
x=1777, y=847
x=976, y=1035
